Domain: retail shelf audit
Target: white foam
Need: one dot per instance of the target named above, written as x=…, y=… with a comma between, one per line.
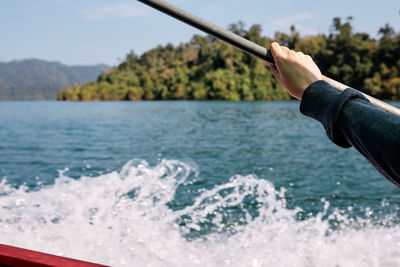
x=123, y=219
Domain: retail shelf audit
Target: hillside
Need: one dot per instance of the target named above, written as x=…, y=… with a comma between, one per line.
x=206, y=68
x=38, y=79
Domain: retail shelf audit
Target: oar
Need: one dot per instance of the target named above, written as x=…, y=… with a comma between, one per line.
x=244, y=44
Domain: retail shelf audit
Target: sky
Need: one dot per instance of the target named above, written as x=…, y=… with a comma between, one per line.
x=88, y=32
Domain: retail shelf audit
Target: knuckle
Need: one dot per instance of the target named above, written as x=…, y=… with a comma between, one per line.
x=283, y=56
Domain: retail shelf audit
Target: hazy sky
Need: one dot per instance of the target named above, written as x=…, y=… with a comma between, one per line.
x=104, y=31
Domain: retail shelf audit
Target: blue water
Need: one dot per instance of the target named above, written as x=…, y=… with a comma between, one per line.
x=219, y=148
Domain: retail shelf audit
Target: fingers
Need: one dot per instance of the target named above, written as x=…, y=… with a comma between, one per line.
x=282, y=53
x=276, y=50
x=274, y=71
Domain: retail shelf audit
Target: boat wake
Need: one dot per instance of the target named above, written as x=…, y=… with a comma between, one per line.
x=164, y=215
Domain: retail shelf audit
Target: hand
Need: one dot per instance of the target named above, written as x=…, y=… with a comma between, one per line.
x=294, y=70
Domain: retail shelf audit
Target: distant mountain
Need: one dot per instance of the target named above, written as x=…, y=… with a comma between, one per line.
x=37, y=79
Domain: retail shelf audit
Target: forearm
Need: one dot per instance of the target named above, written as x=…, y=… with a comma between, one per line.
x=350, y=120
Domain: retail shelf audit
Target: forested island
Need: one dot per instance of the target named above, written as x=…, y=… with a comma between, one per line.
x=206, y=68
x=34, y=79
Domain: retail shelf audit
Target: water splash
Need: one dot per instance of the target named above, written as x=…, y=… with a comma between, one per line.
x=128, y=218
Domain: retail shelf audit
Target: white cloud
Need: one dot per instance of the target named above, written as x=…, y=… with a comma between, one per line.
x=302, y=22
x=120, y=11
x=286, y=22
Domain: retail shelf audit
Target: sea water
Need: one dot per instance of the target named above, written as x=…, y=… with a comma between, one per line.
x=190, y=184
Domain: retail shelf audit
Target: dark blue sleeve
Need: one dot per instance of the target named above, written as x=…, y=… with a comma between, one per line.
x=350, y=119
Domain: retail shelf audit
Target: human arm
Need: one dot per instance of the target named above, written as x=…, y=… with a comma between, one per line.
x=348, y=117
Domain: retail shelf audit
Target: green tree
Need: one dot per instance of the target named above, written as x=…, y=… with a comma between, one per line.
x=206, y=68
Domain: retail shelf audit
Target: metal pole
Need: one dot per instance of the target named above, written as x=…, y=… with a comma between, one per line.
x=214, y=30
x=244, y=44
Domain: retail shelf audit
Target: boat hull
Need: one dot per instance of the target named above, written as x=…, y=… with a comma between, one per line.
x=19, y=257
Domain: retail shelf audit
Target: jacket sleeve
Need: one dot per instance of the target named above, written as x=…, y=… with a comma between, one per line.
x=350, y=119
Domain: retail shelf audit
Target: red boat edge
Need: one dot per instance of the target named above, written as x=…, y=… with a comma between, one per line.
x=19, y=257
